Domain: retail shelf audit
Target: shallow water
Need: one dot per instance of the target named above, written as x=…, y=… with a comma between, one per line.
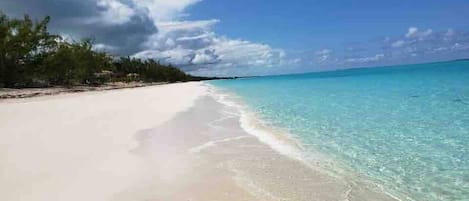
x=405, y=127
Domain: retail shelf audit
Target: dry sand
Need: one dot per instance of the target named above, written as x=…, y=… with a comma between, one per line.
x=77, y=146
x=34, y=92
x=149, y=144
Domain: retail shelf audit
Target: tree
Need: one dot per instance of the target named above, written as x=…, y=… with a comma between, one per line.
x=23, y=46
x=76, y=63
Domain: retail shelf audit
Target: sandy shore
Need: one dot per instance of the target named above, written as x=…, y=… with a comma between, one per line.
x=77, y=146
x=168, y=142
x=34, y=92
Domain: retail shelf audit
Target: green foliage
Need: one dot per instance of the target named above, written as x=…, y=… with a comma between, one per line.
x=75, y=63
x=31, y=56
x=23, y=47
x=149, y=70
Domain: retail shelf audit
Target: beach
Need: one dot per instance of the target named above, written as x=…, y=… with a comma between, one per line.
x=166, y=142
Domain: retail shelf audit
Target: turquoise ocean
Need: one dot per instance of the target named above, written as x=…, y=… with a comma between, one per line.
x=405, y=128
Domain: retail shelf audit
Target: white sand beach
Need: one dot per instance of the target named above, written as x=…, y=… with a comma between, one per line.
x=77, y=146
x=168, y=142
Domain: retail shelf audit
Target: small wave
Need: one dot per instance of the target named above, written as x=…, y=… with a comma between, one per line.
x=209, y=144
x=285, y=144
x=278, y=140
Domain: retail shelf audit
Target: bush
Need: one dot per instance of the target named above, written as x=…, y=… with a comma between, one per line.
x=76, y=63
x=23, y=47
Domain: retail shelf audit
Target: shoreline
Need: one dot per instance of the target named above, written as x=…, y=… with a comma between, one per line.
x=166, y=142
x=287, y=145
x=11, y=93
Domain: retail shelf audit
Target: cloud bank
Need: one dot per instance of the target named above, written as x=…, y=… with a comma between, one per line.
x=413, y=46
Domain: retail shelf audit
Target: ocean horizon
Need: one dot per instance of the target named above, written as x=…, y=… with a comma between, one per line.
x=403, y=128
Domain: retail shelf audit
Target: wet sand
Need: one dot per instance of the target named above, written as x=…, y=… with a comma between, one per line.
x=204, y=154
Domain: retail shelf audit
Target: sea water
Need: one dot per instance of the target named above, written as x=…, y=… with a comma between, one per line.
x=403, y=127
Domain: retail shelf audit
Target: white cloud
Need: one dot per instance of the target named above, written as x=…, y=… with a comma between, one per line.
x=112, y=12
x=186, y=25
x=245, y=53
x=414, y=46
x=323, y=51
x=194, y=45
x=411, y=32
x=174, y=56
x=398, y=43
x=323, y=55
x=201, y=36
x=449, y=35
x=164, y=10
x=460, y=47
x=193, y=52
x=103, y=47
x=412, y=49
x=439, y=49
x=296, y=61
x=414, y=32
x=375, y=58
x=206, y=57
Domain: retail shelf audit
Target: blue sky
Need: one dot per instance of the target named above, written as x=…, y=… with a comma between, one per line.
x=259, y=37
x=302, y=28
x=307, y=24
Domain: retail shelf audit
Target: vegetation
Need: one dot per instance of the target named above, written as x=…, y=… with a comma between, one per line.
x=32, y=57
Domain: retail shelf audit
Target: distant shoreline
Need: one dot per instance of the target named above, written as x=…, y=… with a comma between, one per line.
x=29, y=92
x=11, y=93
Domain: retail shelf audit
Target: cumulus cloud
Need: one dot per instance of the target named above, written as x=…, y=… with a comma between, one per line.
x=428, y=45
x=193, y=45
x=196, y=48
x=164, y=10
x=412, y=46
x=112, y=12
x=398, y=43
x=208, y=56
x=414, y=32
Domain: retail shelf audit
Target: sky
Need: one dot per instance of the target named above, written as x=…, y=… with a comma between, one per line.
x=261, y=37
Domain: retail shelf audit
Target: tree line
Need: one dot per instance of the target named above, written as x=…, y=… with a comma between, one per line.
x=30, y=56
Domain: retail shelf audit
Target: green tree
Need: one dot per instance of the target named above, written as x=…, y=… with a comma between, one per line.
x=76, y=63
x=23, y=46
